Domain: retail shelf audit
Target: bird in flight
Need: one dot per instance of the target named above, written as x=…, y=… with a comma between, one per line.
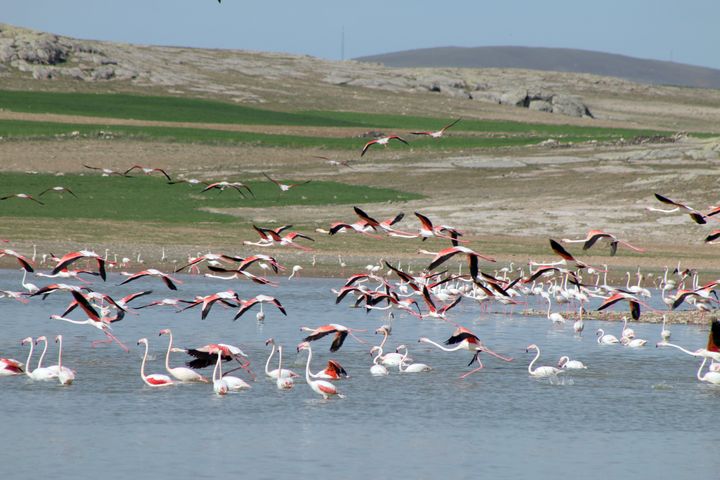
x=382, y=141
x=437, y=133
x=283, y=186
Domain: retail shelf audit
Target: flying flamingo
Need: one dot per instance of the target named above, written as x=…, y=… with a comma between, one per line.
x=228, y=297
x=340, y=331
x=57, y=189
x=39, y=373
x=595, y=235
x=466, y=340
x=155, y=379
x=169, y=281
x=221, y=186
x=284, y=373
x=382, y=141
x=285, y=186
x=694, y=214
x=321, y=387
x=245, y=305
x=25, y=263
x=427, y=230
x=540, y=372
x=9, y=366
x=23, y=196
x=437, y=133
x=72, y=257
x=148, y=171
x=283, y=383
x=65, y=375
x=182, y=374
x=106, y=172
x=713, y=346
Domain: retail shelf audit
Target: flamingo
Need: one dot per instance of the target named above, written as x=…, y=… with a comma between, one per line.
x=245, y=305
x=333, y=371
x=382, y=141
x=57, y=189
x=106, y=172
x=628, y=333
x=155, y=379
x=10, y=366
x=437, y=133
x=283, y=186
x=709, y=377
x=377, y=369
x=633, y=342
x=694, y=214
x=595, y=235
x=220, y=386
x=39, y=373
x=390, y=359
x=544, y=371
x=25, y=263
x=427, y=230
x=283, y=383
x=340, y=331
x=321, y=387
x=466, y=340
x=71, y=257
x=169, y=281
x=65, y=375
x=554, y=317
x=148, y=171
x=227, y=298
x=665, y=333
x=579, y=325
x=30, y=287
x=284, y=373
x=413, y=367
x=606, y=339
x=233, y=383
x=221, y=186
x=182, y=374
x=568, y=364
x=54, y=369
x=23, y=196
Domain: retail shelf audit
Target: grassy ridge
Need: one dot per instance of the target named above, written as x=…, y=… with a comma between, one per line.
x=22, y=129
x=179, y=109
x=152, y=199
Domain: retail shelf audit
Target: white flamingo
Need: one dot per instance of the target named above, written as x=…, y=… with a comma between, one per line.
x=540, y=372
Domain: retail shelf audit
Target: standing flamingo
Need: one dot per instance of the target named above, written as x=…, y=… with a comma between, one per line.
x=182, y=374
x=466, y=340
x=321, y=387
x=377, y=369
x=606, y=339
x=568, y=364
x=540, y=372
x=65, y=375
x=413, y=367
x=284, y=373
x=665, y=333
x=220, y=386
x=155, y=379
x=38, y=373
x=283, y=383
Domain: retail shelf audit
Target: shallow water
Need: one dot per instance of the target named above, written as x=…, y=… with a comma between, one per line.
x=635, y=413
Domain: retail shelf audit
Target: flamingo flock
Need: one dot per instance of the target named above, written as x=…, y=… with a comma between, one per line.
x=383, y=289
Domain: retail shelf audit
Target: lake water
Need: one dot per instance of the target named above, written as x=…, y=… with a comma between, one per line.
x=635, y=413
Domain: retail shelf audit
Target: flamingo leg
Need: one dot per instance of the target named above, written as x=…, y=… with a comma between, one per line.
x=487, y=350
x=472, y=371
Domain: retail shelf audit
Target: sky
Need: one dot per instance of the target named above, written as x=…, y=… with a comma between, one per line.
x=685, y=32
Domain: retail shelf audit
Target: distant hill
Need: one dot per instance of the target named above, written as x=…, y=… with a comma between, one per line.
x=554, y=59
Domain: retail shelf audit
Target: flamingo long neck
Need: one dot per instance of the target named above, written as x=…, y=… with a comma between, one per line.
x=441, y=347
x=267, y=363
x=217, y=365
x=627, y=283
x=601, y=334
x=167, y=354
x=307, y=366
x=27, y=363
x=548, y=310
x=382, y=344
x=42, y=356
x=694, y=354
x=700, y=369
x=537, y=355
x=60, y=352
x=279, y=363
x=376, y=359
x=142, y=366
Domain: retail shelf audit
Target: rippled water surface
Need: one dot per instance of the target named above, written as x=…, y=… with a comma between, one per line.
x=633, y=414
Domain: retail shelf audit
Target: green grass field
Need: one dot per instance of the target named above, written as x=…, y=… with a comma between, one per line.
x=151, y=199
x=179, y=109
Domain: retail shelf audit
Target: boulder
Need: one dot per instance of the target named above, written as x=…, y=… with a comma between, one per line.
x=42, y=73
x=540, y=105
x=45, y=50
x=570, y=105
x=517, y=98
x=106, y=72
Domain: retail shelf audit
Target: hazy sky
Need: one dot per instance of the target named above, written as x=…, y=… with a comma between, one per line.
x=683, y=31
